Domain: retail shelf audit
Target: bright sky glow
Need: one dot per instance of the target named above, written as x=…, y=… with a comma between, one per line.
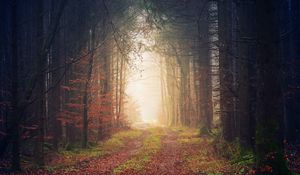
x=145, y=87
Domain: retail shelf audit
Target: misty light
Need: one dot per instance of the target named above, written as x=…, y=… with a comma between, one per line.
x=144, y=87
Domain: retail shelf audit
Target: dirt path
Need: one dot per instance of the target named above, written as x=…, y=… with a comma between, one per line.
x=106, y=164
x=102, y=165
x=183, y=152
x=156, y=151
x=170, y=160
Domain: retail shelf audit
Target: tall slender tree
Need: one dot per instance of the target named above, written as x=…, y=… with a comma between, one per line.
x=269, y=131
x=15, y=88
x=225, y=10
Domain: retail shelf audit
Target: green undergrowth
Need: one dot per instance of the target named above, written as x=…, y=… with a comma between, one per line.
x=129, y=134
x=180, y=128
x=73, y=154
x=189, y=140
x=116, y=142
x=235, y=152
x=239, y=157
x=202, y=162
x=191, y=136
x=213, y=156
x=151, y=145
x=188, y=132
x=66, y=158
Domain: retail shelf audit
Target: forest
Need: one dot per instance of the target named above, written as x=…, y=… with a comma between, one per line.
x=158, y=87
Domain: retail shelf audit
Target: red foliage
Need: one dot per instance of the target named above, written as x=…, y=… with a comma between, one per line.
x=99, y=102
x=266, y=169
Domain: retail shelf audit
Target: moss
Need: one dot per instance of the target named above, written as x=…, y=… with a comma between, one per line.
x=205, y=163
x=151, y=145
x=129, y=134
x=189, y=140
x=113, y=144
x=188, y=132
x=91, y=152
x=136, y=164
x=116, y=142
x=67, y=158
x=270, y=148
x=204, y=131
x=73, y=152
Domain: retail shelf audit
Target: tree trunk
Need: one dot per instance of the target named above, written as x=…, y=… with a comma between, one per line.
x=15, y=86
x=226, y=69
x=40, y=88
x=87, y=91
x=245, y=54
x=204, y=62
x=269, y=133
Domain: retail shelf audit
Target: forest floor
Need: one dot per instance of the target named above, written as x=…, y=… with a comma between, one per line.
x=148, y=150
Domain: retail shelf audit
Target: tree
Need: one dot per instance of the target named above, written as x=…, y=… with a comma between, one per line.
x=290, y=30
x=269, y=131
x=204, y=63
x=40, y=87
x=15, y=87
x=225, y=9
x=35, y=84
x=246, y=75
x=86, y=90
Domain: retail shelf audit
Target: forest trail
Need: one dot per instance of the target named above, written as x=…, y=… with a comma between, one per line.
x=106, y=164
x=170, y=159
x=148, y=150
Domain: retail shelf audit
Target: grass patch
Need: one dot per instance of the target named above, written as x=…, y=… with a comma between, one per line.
x=116, y=142
x=73, y=154
x=91, y=152
x=205, y=160
x=191, y=136
x=113, y=144
x=151, y=145
x=67, y=158
x=188, y=133
x=157, y=131
x=189, y=140
x=129, y=134
x=202, y=162
x=241, y=159
x=179, y=128
x=235, y=152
